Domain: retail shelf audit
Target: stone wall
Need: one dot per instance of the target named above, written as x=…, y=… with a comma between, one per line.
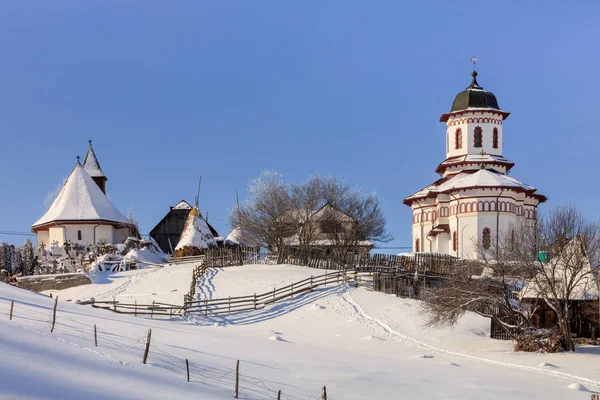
x=39, y=283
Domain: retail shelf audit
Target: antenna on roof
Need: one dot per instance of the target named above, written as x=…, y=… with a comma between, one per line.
x=198, y=195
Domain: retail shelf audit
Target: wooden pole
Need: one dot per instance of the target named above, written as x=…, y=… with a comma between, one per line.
x=54, y=314
x=95, y=336
x=279, y=395
x=324, y=393
x=135, y=312
x=152, y=310
x=237, y=379
x=147, y=346
x=187, y=366
x=12, y=304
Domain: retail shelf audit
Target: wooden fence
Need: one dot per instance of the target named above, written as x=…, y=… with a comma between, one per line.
x=224, y=257
x=154, y=309
x=407, y=285
x=210, y=307
x=442, y=264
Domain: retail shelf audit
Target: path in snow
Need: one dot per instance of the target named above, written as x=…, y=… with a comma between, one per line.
x=347, y=307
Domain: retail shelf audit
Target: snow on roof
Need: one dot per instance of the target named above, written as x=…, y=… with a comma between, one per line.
x=182, y=205
x=234, y=237
x=480, y=178
x=583, y=283
x=196, y=232
x=81, y=199
x=91, y=164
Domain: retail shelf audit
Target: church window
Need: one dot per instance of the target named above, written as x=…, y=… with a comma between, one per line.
x=417, y=246
x=486, y=238
x=454, y=241
x=495, y=138
x=478, y=137
x=78, y=235
x=458, y=139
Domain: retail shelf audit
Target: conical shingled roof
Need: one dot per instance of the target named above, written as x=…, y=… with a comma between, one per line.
x=91, y=164
x=81, y=199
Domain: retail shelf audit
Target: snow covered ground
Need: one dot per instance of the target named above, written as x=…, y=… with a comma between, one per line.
x=361, y=344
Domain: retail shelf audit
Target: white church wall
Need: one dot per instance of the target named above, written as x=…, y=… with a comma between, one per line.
x=121, y=235
x=56, y=235
x=106, y=233
x=43, y=237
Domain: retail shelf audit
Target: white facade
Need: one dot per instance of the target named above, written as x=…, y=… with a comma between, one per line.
x=475, y=197
x=82, y=213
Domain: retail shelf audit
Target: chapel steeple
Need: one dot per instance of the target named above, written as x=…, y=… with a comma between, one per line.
x=92, y=166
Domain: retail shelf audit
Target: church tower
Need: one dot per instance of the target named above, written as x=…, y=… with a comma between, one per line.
x=475, y=200
x=92, y=166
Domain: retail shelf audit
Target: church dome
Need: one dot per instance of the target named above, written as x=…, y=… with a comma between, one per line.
x=474, y=97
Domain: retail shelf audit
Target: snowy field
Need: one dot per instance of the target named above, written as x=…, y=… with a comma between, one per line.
x=361, y=344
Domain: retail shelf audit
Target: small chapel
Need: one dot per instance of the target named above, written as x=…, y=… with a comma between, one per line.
x=475, y=199
x=81, y=212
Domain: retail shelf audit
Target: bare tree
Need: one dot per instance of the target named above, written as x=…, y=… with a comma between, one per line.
x=308, y=198
x=511, y=264
x=354, y=219
x=573, y=244
x=487, y=289
x=267, y=218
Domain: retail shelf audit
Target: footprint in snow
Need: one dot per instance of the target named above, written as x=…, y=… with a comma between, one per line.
x=547, y=365
x=423, y=356
x=454, y=365
x=278, y=338
x=371, y=337
x=577, y=386
x=317, y=306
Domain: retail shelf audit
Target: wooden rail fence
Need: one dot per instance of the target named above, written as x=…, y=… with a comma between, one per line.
x=210, y=307
x=154, y=309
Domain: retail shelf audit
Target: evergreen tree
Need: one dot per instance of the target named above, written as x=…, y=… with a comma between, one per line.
x=3, y=253
x=17, y=260
x=29, y=261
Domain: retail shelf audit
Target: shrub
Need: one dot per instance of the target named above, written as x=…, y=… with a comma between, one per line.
x=540, y=340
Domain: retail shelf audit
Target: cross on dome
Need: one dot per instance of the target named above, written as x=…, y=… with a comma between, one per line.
x=78, y=162
x=474, y=61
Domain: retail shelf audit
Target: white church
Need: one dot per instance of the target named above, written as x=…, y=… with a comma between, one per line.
x=475, y=199
x=82, y=213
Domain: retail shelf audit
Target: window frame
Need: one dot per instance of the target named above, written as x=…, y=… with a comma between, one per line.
x=478, y=137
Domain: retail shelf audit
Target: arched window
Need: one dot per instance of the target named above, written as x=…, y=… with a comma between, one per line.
x=417, y=245
x=458, y=139
x=495, y=138
x=478, y=137
x=454, y=241
x=486, y=238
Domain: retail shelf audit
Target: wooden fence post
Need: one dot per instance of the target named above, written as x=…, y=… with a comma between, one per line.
x=255, y=301
x=187, y=367
x=152, y=310
x=237, y=379
x=54, y=314
x=135, y=312
x=324, y=393
x=147, y=345
x=95, y=336
x=311, y=283
x=292, y=291
x=279, y=395
x=229, y=305
x=273, y=294
x=114, y=305
x=12, y=304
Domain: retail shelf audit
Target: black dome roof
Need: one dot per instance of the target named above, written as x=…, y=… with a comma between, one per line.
x=474, y=97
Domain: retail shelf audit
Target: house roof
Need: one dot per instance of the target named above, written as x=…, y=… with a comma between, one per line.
x=182, y=205
x=482, y=178
x=583, y=283
x=80, y=199
x=91, y=164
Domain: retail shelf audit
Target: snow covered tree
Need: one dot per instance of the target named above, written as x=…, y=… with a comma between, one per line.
x=29, y=260
x=5, y=258
x=17, y=260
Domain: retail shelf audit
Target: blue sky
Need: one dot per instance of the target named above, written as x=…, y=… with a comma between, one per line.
x=169, y=91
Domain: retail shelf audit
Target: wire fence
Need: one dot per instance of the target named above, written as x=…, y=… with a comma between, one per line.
x=39, y=319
